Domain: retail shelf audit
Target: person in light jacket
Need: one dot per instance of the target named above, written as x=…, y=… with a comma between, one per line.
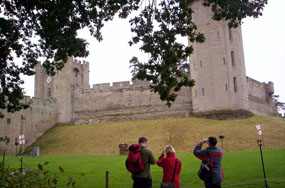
x=168, y=164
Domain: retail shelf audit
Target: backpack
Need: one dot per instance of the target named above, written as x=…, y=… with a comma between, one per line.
x=134, y=162
x=206, y=168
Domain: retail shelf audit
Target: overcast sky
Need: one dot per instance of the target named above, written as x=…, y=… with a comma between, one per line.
x=263, y=40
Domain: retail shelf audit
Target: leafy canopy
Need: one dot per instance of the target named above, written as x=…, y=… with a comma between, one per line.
x=35, y=29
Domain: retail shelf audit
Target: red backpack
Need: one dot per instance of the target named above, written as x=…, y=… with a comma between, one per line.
x=134, y=162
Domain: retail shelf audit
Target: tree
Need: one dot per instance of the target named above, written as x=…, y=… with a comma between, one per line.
x=35, y=29
x=279, y=105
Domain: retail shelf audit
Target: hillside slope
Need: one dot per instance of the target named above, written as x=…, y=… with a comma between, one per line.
x=183, y=134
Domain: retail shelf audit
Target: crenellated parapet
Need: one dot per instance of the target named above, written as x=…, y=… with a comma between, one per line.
x=256, y=83
x=268, y=87
x=116, y=86
x=80, y=64
x=35, y=102
x=43, y=102
x=260, y=97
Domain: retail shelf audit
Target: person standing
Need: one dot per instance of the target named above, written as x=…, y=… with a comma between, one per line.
x=143, y=179
x=216, y=175
x=170, y=164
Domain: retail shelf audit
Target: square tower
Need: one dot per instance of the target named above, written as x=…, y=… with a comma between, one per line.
x=217, y=65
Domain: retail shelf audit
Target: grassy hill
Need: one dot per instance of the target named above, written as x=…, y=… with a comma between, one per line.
x=182, y=133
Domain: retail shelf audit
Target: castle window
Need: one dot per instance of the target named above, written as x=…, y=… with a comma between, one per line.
x=201, y=64
x=203, y=91
x=226, y=87
x=224, y=60
x=218, y=33
x=76, y=71
x=49, y=92
x=233, y=57
x=8, y=121
x=230, y=34
x=235, y=84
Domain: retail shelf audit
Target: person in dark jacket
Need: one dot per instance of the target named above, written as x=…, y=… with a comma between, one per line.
x=217, y=175
x=143, y=179
x=168, y=164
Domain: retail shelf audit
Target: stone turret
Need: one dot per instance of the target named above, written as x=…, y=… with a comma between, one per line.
x=269, y=88
x=217, y=65
x=39, y=81
x=61, y=86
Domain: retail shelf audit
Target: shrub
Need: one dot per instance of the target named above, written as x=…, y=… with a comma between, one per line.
x=30, y=178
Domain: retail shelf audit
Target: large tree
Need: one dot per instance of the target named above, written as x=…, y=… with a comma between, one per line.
x=33, y=29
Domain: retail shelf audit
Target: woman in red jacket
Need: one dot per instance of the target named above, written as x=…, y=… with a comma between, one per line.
x=168, y=165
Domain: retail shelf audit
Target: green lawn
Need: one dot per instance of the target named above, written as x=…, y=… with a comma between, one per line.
x=240, y=167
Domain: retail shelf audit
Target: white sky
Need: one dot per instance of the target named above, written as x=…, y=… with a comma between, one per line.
x=263, y=40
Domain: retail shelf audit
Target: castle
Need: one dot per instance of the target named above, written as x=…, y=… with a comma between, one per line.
x=217, y=66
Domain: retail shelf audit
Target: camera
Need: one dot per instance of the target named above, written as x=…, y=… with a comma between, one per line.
x=205, y=141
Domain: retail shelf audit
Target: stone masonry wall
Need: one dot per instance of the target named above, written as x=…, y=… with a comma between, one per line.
x=32, y=123
x=124, y=102
x=217, y=65
x=260, y=103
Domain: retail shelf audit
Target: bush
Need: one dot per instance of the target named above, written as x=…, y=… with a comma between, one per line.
x=30, y=178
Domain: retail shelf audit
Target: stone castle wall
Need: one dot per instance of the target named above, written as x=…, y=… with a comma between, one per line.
x=259, y=96
x=124, y=102
x=32, y=122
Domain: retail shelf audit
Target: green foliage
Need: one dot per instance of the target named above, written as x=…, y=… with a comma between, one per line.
x=31, y=178
x=5, y=140
x=235, y=11
x=30, y=30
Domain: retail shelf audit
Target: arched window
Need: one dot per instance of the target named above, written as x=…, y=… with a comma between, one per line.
x=76, y=71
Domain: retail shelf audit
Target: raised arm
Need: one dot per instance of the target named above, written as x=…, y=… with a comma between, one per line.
x=199, y=153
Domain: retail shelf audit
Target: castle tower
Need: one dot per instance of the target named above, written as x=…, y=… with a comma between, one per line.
x=62, y=86
x=39, y=81
x=217, y=65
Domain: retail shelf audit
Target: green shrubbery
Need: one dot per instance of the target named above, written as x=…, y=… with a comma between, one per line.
x=30, y=178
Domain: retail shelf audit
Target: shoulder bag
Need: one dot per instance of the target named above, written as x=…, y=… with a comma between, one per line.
x=169, y=184
x=205, y=170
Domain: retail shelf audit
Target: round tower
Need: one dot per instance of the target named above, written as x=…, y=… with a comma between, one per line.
x=217, y=65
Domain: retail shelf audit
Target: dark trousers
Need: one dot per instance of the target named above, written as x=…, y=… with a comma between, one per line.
x=212, y=185
x=142, y=183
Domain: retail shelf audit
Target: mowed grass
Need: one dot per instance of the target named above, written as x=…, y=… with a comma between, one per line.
x=241, y=168
x=182, y=133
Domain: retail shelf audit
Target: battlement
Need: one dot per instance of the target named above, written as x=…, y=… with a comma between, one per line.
x=116, y=85
x=255, y=82
x=269, y=87
x=34, y=101
x=77, y=63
